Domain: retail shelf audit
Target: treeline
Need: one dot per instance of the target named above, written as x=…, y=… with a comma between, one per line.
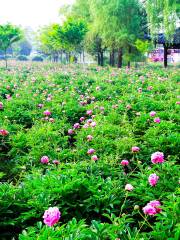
x=110, y=31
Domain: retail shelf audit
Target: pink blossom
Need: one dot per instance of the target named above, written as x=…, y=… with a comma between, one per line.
x=94, y=158
x=47, y=113
x=124, y=162
x=76, y=125
x=157, y=120
x=93, y=124
x=178, y=103
x=51, y=216
x=90, y=151
x=152, y=208
x=45, y=160
x=51, y=120
x=56, y=162
x=1, y=105
x=70, y=131
x=129, y=187
x=157, y=157
x=153, y=179
x=89, y=112
x=149, y=210
x=152, y=113
x=135, y=149
x=82, y=119
x=89, y=138
x=4, y=132
x=101, y=108
x=40, y=105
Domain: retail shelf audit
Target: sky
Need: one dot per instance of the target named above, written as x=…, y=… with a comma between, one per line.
x=31, y=13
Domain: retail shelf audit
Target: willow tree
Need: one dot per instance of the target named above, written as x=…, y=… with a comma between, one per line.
x=119, y=23
x=162, y=16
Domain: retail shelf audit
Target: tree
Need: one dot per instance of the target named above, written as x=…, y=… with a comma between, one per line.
x=162, y=16
x=50, y=40
x=119, y=24
x=9, y=34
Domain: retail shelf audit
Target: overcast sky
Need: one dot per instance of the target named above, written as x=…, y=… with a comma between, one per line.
x=31, y=13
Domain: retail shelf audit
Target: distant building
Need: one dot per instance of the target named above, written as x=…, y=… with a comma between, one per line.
x=157, y=55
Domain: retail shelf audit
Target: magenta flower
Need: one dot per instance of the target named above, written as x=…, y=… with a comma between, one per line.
x=89, y=112
x=89, y=138
x=4, y=132
x=90, y=151
x=47, y=113
x=152, y=113
x=135, y=149
x=94, y=158
x=157, y=157
x=45, y=160
x=82, y=119
x=51, y=216
x=152, y=208
x=124, y=162
x=93, y=124
x=149, y=210
x=70, y=131
x=76, y=126
x=56, y=162
x=153, y=179
x=1, y=105
x=157, y=120
x=129, y=187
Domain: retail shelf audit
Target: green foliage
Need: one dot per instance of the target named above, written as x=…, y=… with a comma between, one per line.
x=162, y=15
x=90, y=194
x=9, y=34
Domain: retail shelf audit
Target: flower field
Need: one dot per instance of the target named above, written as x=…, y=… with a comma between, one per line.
x=89, y=153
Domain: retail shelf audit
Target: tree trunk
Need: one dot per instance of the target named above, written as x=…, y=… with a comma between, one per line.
x=113, y=58
x=83, y=56
x=165, y=56
x=129, y=63
x=119, y=63
x=101, y=58
x=110, y=58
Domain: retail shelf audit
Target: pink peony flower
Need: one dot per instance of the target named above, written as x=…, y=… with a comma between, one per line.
x=70, y=131
x=153, y=179
x=149, y=210
x=90, y=151
x=82, y=119
x=4, y=132
x=94, y=158
x=45, y=160
x=152, y=113
x=129, y=187
x=56, y=162
x=89, y=112
x=157, y=157
x=178, y=103
x=76, y=125
x=157, y=120
x=135, y=149
x=51, y=120
x=51, y=216
x=89, y=138
x=93, y=124
x=47, y=113
x=152, y=208
x=1, y=105
x=124, y=162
